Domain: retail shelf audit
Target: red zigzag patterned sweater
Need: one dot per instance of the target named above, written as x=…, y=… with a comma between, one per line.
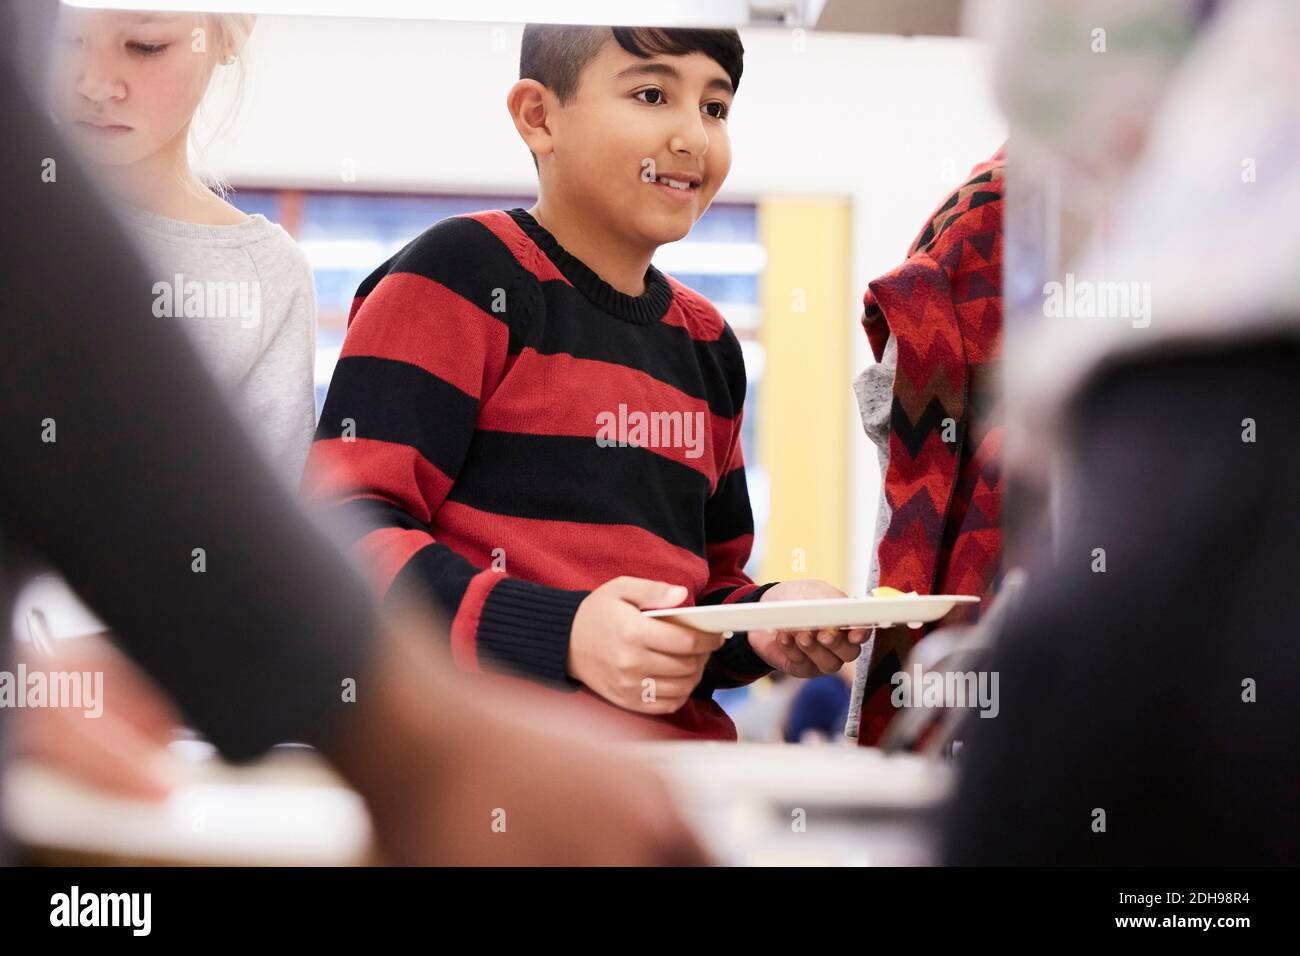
x=943, y=482
x=473, y=419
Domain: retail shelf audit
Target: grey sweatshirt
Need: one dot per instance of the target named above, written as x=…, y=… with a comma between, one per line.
x=244, y=295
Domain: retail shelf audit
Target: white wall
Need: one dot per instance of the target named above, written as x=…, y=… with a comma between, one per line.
x=890, y=123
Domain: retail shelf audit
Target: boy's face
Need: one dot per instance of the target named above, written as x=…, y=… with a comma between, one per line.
x=632, y=124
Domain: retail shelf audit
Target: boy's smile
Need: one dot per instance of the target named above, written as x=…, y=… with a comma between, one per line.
x=680, y=186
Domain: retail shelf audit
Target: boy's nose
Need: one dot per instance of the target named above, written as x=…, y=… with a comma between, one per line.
x=691, y=139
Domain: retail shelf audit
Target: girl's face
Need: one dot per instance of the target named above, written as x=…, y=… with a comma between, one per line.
x=126, y=85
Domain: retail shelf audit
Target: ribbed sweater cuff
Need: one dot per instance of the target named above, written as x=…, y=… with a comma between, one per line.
x=755, y=595
x=737, y=656
x=526, y=627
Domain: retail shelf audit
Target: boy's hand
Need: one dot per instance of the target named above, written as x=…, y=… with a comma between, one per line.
x=805, y=653
x=615, y=651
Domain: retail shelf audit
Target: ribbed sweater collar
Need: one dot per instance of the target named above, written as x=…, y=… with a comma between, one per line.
x=644, y=309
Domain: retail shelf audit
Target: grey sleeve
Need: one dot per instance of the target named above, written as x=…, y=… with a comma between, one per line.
x=874, y=389
x=279, y=394
x=150, y=499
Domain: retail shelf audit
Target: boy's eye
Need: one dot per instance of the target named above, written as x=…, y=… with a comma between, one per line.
x=146, y=49
x=652, y=95
x=717, y=110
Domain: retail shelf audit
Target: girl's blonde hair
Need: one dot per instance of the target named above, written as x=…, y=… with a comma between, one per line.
x=226, y=32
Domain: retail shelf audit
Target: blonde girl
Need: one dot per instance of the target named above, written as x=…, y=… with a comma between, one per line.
x=127, y=88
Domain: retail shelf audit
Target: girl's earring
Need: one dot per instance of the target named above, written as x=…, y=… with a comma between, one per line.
x=228, y=59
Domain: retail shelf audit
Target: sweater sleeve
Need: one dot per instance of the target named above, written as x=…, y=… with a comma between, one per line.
x=427, y=341
x=280, y=389
x=729, y=538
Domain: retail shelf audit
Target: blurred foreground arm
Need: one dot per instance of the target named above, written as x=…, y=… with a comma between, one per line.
x=126, y=473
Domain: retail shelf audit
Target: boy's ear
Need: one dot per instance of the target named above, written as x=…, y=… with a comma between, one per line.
x=530, y=105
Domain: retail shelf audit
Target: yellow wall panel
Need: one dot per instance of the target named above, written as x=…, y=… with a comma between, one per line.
x=804, y=402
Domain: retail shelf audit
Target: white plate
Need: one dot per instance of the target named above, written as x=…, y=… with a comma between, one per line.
x=911, y=609
x=289, y=809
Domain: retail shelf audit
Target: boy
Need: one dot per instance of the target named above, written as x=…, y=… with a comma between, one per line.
x=544, y=427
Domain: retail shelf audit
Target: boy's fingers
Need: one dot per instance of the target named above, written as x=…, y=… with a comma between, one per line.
x=673, y=689
x=797, y=664
x=808, y=646
x=822, y=657
x=837, y=642
x=658, y=665
x=677, y=640
x=846, y=652
x=649, y=595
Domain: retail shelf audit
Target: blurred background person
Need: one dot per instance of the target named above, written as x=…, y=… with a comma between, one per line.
x=931, y=404
x=1150, y=683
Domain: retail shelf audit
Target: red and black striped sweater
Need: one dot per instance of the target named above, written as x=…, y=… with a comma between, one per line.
x=483, y=419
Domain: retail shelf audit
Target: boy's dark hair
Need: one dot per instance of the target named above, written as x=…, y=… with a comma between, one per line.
x=555, y=55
